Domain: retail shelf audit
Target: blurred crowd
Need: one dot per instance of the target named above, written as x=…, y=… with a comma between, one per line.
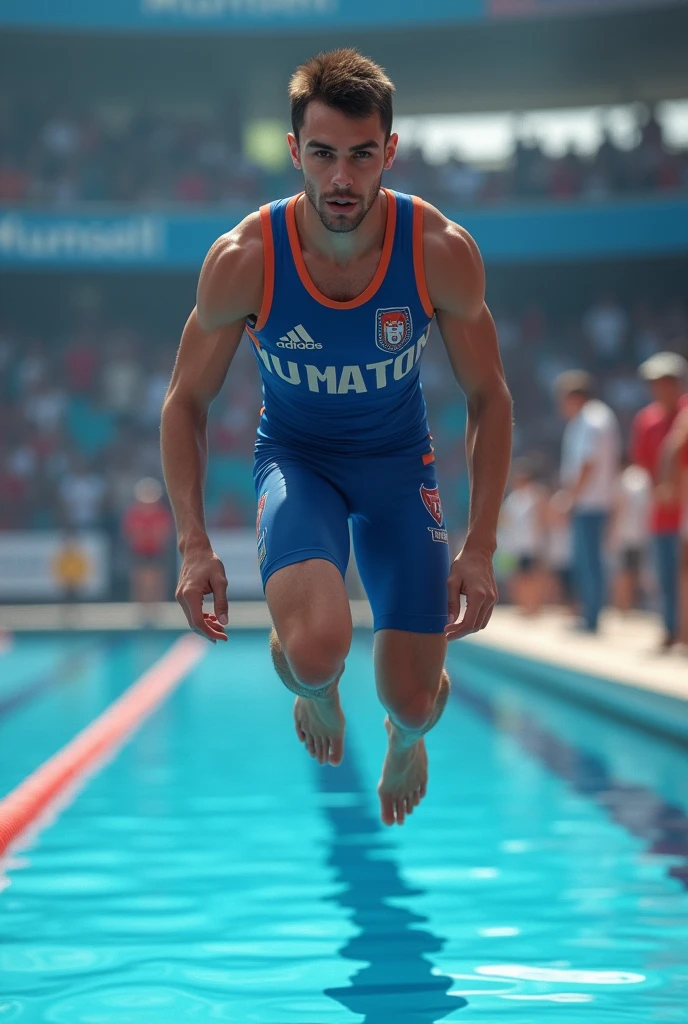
x=80, y=412
x=612, y=523
x=55, y=157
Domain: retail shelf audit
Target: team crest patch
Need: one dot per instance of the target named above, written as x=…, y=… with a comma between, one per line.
x=393, y=328
x=431, y=500
x=261, y=507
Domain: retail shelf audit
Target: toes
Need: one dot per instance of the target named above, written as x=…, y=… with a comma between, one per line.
x=321, y=749
x=300, y=733
x=310, y=743
x=400, y=810
x=336, y=750
x=409, y=804
x=387, y=809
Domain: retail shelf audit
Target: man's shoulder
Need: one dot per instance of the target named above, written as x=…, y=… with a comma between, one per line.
x=453, y=265
x=648, y=416
x=231, y=279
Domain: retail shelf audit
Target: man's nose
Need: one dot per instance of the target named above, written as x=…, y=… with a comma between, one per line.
x=342, y=177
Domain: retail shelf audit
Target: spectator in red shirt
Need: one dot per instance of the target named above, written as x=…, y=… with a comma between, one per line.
x=675, y=476
x=666, y=374
x=148, y=528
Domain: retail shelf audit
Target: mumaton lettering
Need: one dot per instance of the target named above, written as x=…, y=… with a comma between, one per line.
x=333, y=380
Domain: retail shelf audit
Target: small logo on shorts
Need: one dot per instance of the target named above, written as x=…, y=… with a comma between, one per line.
x=439, y=535
x=261, y=507
x=262, y=548
x=393, y=328
x=431, y=500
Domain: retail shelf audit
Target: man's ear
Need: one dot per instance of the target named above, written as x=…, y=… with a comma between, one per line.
x=391, y=150
x=293, y=144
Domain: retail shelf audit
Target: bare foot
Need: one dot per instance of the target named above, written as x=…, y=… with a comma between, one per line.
x=320, y=725
x=404, y=778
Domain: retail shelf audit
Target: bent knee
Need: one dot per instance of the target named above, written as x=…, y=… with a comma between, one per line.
x=316, y=660
x=415, y=713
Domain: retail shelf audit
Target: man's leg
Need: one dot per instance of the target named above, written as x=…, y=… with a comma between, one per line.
x=309, y=642
x=413, y=686
x=666, y=554
x=584, y=567
x=596, y=525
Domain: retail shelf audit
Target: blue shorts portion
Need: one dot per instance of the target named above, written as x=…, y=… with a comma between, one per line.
x=305, y=502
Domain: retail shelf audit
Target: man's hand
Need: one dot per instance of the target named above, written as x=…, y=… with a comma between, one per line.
x=202, y=573
x=471, y=574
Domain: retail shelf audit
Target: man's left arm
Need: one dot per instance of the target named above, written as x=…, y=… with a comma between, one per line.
x=456, y=285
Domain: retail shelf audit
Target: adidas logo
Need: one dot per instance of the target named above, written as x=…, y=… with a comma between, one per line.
x=298, y=338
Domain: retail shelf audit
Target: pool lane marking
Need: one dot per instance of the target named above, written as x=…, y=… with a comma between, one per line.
x=395, y=943
x=636, y=808
x=65, y=671
x=69, y=767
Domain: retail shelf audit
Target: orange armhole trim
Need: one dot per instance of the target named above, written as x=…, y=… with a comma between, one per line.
x=418, y=261
x=268, y=267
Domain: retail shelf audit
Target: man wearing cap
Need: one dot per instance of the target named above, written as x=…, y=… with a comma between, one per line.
x=590, y=455
x=666, y=374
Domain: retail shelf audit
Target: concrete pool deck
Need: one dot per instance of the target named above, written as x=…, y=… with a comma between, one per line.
x=625, y=649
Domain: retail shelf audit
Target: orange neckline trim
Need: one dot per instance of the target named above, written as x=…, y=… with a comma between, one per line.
x=268, y=266
x=382, y=266
x=418, y=259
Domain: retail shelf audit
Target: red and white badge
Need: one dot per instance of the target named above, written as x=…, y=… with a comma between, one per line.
x=431, y=500
x=393, y=328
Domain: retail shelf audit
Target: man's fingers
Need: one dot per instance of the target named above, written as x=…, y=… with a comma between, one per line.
x=192, y=602
x=475, y=604
x=454, y=601
x=219, y=585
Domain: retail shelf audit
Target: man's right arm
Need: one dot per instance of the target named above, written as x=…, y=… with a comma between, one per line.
x=230, y=288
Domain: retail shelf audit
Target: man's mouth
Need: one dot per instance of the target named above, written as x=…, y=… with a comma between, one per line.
x=341, y=203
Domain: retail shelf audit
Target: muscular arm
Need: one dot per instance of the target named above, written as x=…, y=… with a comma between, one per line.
x=229, y=289
x=456, y=285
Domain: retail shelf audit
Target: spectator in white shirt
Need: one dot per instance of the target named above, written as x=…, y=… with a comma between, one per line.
x=590, y=454
x=629, y=532
x=606, y=327
x=522, y=534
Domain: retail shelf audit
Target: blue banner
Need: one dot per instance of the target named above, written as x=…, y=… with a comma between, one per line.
x=159, y=241
x=248, y=15
x=280, y=15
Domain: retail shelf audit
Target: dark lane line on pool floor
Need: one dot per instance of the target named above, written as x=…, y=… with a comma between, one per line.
x=399, y=984
x=638, y=809
x=64, y=672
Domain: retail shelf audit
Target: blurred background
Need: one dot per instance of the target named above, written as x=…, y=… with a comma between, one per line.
x=133, y=134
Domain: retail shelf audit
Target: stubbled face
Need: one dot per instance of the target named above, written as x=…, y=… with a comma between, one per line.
x=342, y=160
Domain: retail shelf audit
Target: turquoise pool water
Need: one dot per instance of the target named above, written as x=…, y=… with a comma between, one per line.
x=212, y=871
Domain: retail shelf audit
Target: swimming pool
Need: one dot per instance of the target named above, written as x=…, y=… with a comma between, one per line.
x=212, y=871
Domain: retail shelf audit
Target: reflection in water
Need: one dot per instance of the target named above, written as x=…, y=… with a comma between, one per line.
x=636, y=808
x=399, y=984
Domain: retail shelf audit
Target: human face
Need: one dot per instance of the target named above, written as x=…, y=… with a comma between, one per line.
x=666, y=391
x=342, y=159
x=571, y=405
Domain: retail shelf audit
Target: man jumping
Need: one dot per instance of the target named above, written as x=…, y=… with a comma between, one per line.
x=336, y=289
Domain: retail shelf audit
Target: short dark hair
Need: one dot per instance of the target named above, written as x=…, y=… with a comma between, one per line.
x=343, y=79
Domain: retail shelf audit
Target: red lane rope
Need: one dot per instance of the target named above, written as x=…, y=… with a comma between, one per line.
x=23, y=805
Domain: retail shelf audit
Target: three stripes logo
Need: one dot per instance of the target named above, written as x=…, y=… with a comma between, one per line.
x=298, y=338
